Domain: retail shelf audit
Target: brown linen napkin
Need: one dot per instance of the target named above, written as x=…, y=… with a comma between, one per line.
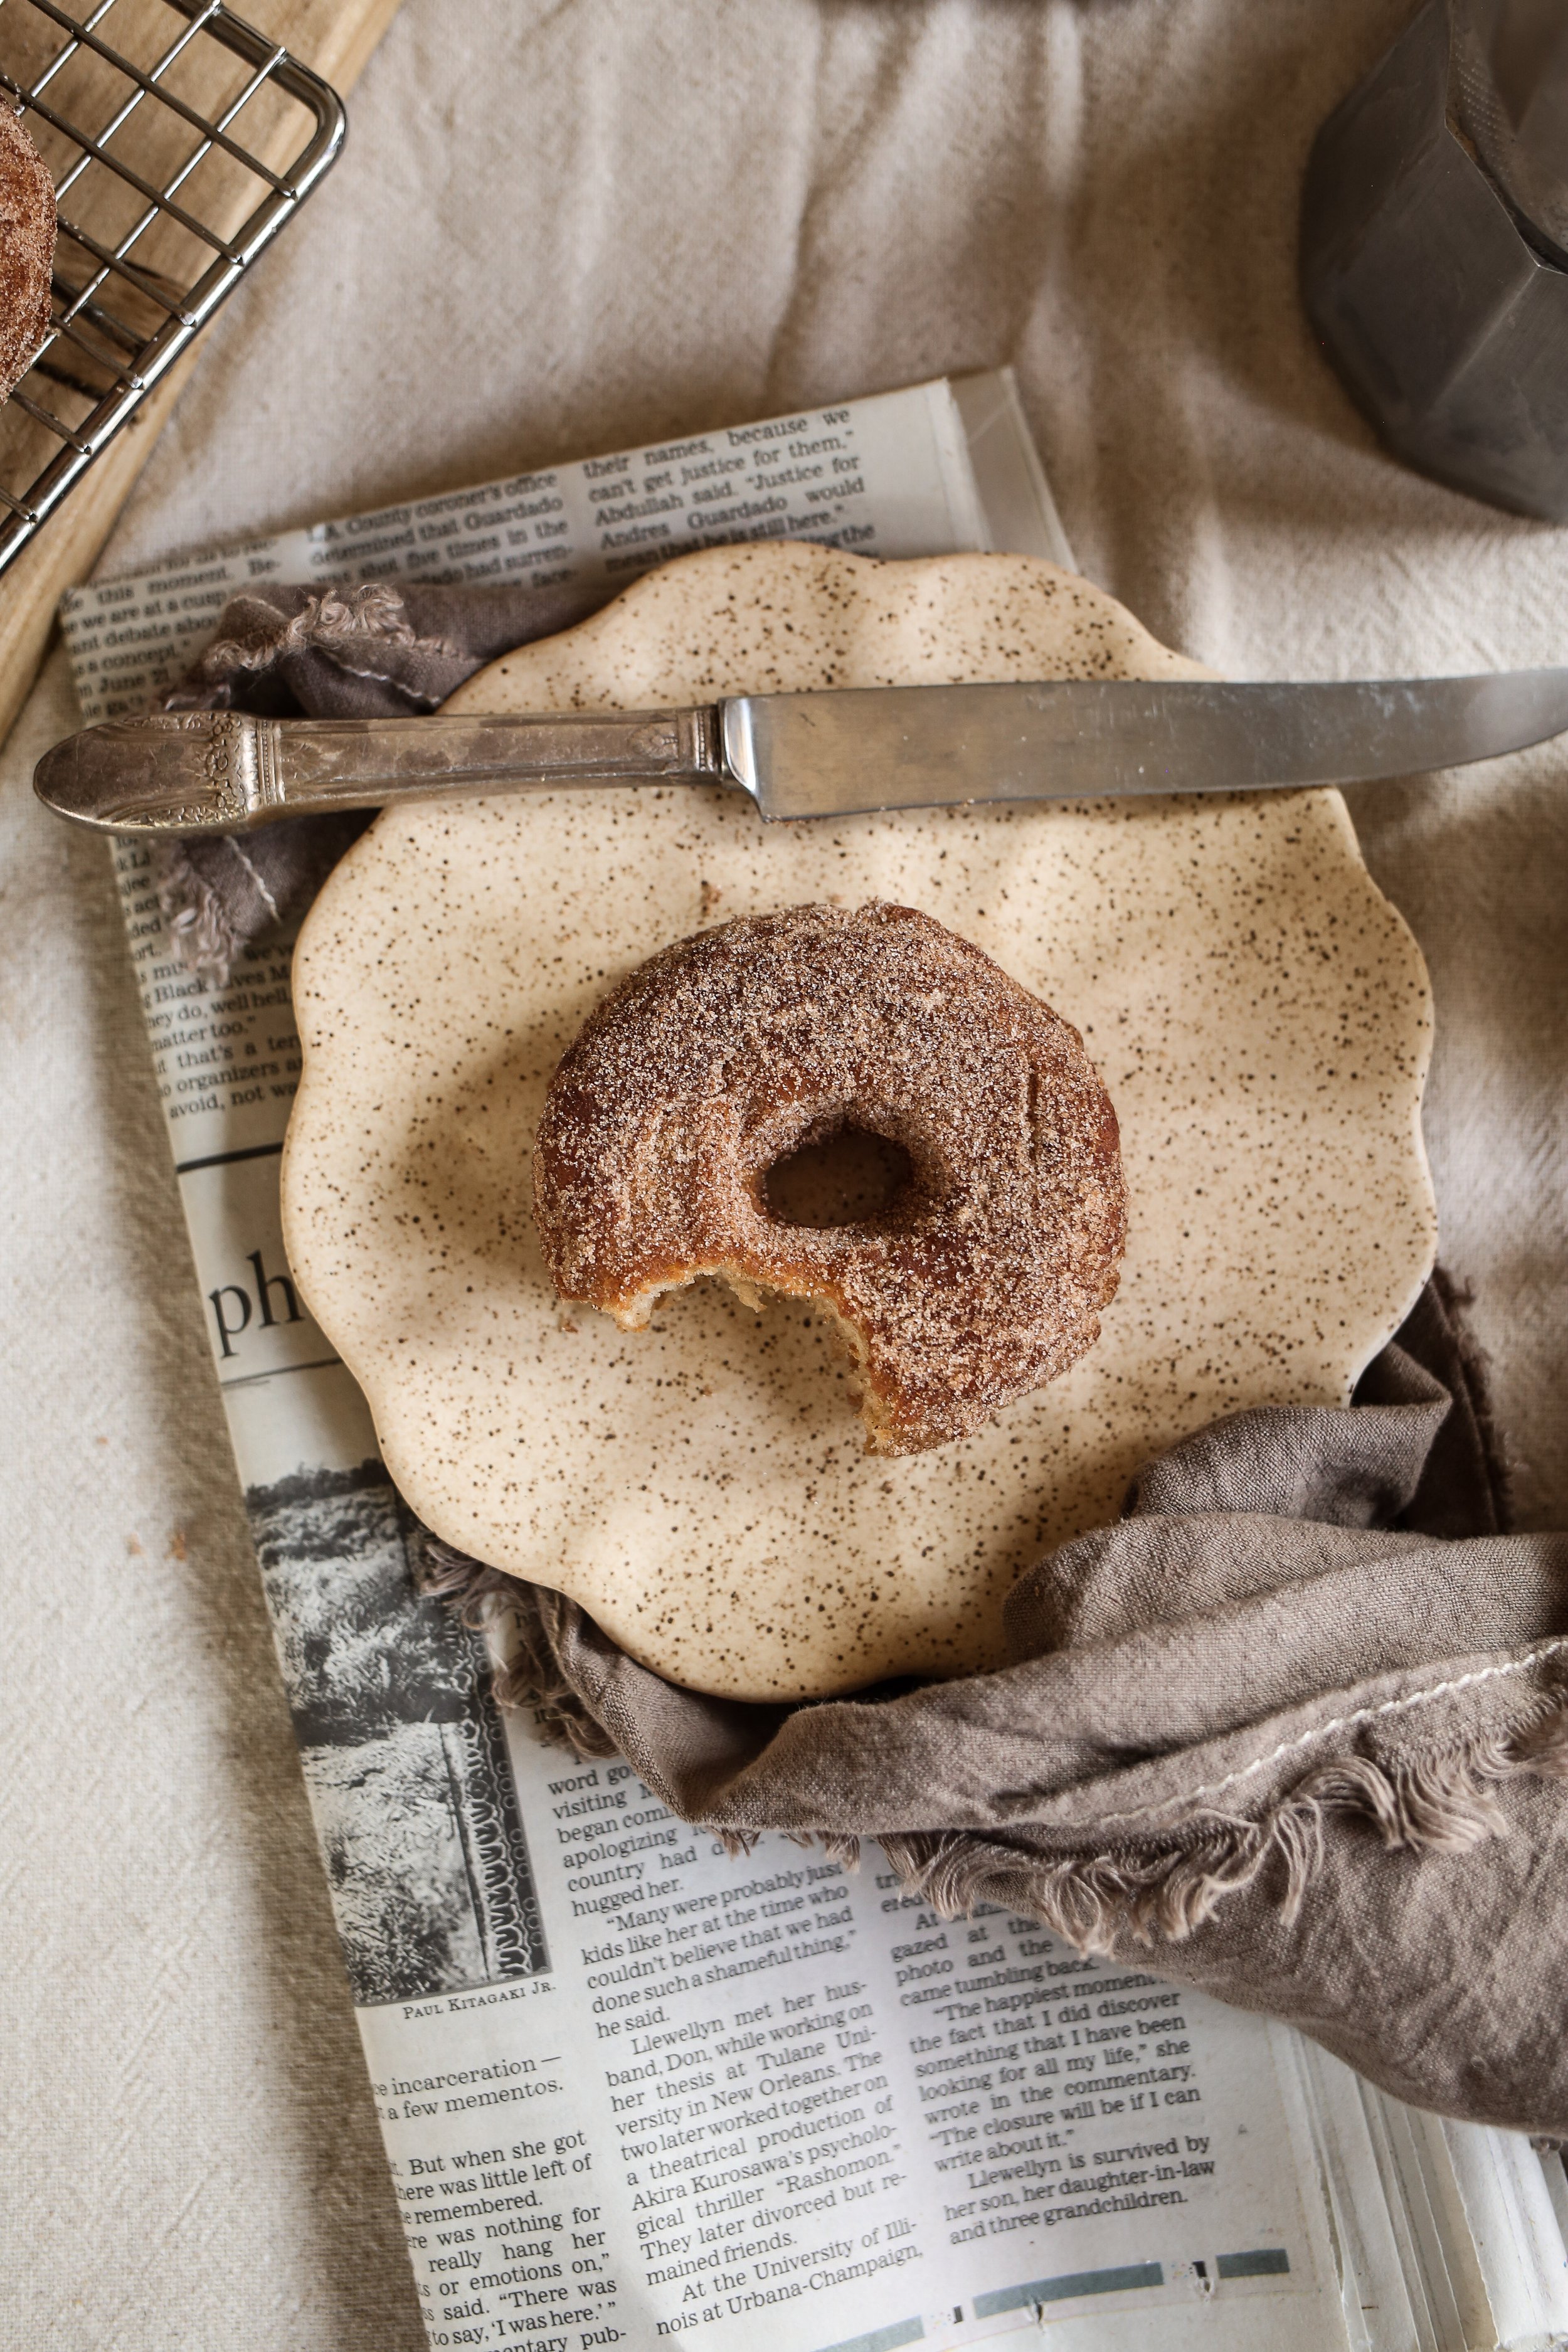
x=1292, y=1731
x=355, y=652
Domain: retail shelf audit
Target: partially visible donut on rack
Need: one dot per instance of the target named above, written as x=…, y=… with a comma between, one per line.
x=27, y=251
x=713, y=1063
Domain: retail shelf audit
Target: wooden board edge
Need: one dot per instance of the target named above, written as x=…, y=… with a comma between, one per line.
x=343, y=58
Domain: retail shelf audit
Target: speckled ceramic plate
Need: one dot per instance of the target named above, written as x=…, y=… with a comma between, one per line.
x=1260, y=1012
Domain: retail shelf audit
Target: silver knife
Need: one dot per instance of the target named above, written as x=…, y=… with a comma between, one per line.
x=835, y=754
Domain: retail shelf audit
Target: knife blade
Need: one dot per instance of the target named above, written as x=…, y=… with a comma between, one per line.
x=846, y=751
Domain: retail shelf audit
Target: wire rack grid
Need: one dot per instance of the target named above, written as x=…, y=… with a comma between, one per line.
x=180, y=140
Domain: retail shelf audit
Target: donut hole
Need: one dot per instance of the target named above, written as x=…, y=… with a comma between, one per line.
x=846, y=1176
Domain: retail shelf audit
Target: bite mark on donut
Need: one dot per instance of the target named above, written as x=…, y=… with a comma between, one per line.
x=981, y=1279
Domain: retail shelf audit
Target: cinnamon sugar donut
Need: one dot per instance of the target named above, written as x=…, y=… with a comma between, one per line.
x=983, y=1277
x=26, y=250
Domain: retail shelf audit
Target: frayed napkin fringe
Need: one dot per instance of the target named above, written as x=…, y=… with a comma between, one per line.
x=490, y=1602
x=349, y=629
x=1436, y=1804
x=204, y=936
x=1439, y=1804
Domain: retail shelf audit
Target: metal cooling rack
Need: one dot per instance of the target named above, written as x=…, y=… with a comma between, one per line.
x=180, y=140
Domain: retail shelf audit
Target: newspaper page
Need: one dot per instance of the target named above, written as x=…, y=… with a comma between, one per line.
x=926, y=471
x=633, y=2088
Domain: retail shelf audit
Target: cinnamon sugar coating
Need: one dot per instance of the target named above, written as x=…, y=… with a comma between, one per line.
x=980, y=1281
x=26, y=250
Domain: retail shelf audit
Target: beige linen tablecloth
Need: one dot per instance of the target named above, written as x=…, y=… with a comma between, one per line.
x=558, y=228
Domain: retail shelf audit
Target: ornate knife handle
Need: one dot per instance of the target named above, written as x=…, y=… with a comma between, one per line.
x=194, y=771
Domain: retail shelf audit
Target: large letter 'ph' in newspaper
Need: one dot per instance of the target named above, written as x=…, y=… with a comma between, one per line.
x=633, y=2088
